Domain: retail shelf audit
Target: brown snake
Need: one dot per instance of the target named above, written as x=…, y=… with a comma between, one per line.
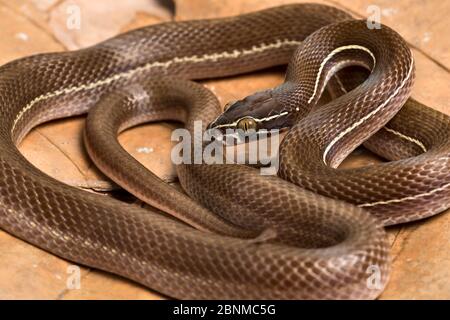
x=270, y=238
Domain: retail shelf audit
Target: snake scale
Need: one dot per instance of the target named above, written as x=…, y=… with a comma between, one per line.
x=268, y=237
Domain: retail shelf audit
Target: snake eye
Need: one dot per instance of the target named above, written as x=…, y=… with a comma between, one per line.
x=247, y=124
x=229, y=104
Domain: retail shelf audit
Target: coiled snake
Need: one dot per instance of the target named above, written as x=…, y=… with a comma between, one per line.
x=268, y=238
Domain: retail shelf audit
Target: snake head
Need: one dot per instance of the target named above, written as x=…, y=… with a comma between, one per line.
x=259, y=112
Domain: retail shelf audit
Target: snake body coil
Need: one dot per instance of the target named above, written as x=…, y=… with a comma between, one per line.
x=311, y=246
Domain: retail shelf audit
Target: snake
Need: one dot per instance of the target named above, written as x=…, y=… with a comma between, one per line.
x=314, y=231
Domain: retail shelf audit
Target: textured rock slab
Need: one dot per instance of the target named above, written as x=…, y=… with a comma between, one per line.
x=421, y=259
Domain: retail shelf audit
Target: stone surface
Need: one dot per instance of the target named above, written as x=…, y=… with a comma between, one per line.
x=421, y=259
